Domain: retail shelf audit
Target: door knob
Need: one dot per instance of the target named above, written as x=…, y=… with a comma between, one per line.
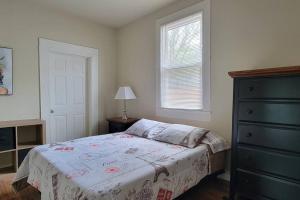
x=51, y=111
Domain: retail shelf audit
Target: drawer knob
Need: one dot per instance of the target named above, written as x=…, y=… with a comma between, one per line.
x=251, y=89
x=250, y=111
x=249, y=134
x=246, y=181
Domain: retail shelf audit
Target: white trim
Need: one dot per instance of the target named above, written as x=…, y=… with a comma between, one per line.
x=92, y=56
x=197, y=115
x=225, y=176
x=205, y=113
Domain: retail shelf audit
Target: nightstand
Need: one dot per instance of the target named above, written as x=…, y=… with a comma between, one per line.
x=116, y=124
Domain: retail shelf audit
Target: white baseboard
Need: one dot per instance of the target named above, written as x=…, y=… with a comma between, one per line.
x=225, y=176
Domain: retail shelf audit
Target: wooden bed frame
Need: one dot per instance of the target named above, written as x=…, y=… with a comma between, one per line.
x=217, y=162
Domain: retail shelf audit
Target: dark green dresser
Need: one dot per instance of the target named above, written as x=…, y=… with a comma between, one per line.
x=266, y=134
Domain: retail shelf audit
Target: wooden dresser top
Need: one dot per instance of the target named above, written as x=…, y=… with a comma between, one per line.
x=266, y=72
x=120, y=120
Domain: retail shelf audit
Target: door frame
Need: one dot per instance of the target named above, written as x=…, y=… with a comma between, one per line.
x=92, y=92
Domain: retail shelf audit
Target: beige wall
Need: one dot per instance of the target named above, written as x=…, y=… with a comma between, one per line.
x=245, y=34
x=21, y=24
x=257, y=33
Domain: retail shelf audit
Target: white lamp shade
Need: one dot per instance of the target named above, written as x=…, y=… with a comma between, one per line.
x=125, y=93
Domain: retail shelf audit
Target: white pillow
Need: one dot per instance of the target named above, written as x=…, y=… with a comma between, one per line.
x=177, y=134
x=142, y=127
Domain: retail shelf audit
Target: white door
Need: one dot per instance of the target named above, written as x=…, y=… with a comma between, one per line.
x=67, y=89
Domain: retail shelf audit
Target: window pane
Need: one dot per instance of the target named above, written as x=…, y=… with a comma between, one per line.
x=184, y=42
x=181, y=70
x=181, y=88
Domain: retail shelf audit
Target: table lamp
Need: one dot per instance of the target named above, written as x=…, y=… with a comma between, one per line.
x=125, y=93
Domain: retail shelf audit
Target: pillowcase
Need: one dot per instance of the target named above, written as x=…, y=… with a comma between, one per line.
x=142, y=127
x=177, y=134
x=215, y=142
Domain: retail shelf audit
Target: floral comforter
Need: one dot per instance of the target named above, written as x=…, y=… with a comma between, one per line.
x=113, y=167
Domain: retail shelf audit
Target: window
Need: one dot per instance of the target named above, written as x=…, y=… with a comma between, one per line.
x=181, y=64
x=183, y=73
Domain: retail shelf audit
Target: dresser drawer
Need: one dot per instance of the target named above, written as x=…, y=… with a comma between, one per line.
x=280, y=113
x=280, y=87
x=270, y=162
x=253, y=185
x=277, y=138
x=241, y=197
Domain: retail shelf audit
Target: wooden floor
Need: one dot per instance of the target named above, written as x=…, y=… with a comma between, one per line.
x=7, y=193
x=208, y=189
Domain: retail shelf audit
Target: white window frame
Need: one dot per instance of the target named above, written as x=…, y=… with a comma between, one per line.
x=198, y=115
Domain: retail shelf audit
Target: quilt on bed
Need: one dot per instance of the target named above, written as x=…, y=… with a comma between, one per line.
x=115, y=166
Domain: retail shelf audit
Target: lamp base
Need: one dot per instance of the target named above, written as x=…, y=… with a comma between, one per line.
x=124, y=116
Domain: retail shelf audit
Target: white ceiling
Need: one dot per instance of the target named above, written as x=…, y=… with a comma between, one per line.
x=115, y=13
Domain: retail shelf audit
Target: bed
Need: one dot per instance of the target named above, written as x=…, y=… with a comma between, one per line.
x=116, y=166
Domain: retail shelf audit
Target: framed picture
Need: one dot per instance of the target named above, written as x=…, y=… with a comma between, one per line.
x=6, y=71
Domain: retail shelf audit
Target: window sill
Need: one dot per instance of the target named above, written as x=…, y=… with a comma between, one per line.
x=196, y=115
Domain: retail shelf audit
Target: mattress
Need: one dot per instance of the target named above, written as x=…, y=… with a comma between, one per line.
x=114, y=166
